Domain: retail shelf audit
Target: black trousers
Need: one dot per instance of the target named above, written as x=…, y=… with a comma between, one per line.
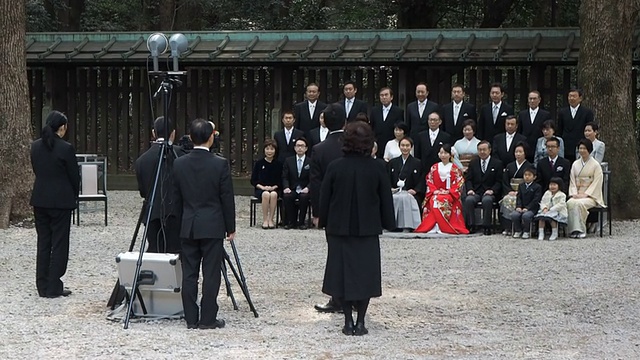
x=52, y=226
x=469, y=209
x=209, y=252
x=164, y=240
x=291, y=213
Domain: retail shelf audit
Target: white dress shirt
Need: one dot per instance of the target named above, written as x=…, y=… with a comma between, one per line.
x=533, y=113
x=312, y=108
x=385, y=111
x=323, y=133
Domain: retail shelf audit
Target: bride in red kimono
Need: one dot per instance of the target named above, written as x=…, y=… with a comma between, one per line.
x=442, y=211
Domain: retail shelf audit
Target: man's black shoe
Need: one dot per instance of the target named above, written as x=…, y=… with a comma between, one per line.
x=218, y=324
x=288, y=227
x=360, y=330
x=348, y=329
x=192, y=326
x=303, y=227
x=65, y=292
x=329, y=307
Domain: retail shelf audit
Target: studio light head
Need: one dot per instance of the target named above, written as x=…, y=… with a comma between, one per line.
x=158, y=44
x=179, y=45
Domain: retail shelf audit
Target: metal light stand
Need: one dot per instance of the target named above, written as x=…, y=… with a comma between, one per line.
x=165, y=87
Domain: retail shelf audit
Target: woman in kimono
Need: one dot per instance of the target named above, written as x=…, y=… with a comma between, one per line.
x=512, y=177
x=585, y=189
x=405, y=175
x=591, y=133
x=467, y=147
x=442, y=211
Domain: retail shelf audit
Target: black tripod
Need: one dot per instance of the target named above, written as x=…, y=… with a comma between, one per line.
x=165, y=147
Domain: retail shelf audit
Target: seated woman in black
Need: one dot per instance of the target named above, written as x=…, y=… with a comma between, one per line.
x=266, y=178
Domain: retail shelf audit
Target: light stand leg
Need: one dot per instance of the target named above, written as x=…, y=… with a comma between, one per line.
x=227, y=284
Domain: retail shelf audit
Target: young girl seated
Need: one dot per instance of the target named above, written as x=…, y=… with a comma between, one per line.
x=553, y=209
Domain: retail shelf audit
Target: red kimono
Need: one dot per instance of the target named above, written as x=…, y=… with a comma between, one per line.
x=442, y=205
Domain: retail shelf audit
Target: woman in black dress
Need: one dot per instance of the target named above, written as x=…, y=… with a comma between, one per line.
x=54, y=195
x=266, y=177
x=355, y=204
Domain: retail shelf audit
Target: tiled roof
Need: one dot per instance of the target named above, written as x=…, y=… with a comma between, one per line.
x=470, y=45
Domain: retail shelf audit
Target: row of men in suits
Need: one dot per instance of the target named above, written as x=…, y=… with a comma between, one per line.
x=490, y=119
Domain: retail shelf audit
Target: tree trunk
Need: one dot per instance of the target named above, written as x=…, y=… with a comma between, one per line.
x=604, y=70
x=16, y=177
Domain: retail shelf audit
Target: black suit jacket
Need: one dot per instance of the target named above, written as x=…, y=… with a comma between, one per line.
x=417, y=123
x=314, y=138
x=486, y=128
x=146, y=166
x=358, y=106
x=304, y=121
x=428, y=154
x=285, y=150
x=532, y=131
x=57, y=182
x=561, y=169
x=571, y=130
x=529, y=198
x=480, y=182
x=204, y=192
x=356, y=198
x=383, y=129
x=321, y=156
x=467, y=111
x=499, y=147
x=290, y=177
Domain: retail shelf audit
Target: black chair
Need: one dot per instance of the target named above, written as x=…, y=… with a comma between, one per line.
x=601, y=210
x=253, y=205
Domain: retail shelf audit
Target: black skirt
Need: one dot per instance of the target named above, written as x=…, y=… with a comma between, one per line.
x=353, y=267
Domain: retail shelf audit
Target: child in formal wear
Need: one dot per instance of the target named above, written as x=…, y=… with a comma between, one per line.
x=527, y=204
x=553, y=209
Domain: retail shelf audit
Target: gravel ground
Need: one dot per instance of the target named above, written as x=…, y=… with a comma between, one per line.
x=471, y=298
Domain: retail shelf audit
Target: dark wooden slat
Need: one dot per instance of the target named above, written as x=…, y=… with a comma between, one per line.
x=300, y=86
x=485, y=87
x=113, y=123
x=124, y=138
x=566, y=85
x=205, y=110
x=263, y=118
x=82, y=111
x=38, y=92
x=250, y=117
x=214, y=99
x=524, y=89
x=136, y=110
x=146, y=117
x=511, y=89
x=227, y=93
x=323, y=81
x=72, y=132
x=239, y=121
x=336, y=85
x=553, y=92
x=472, y=89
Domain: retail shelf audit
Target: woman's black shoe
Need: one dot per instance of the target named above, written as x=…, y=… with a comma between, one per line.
x=360, y=330
x=348, y=329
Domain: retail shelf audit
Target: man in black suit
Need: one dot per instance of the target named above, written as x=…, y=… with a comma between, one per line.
x=321, y=156
x=408, y=170
x=553, y=166
x=455, y=113
x=317, y=135
x=483, y=183
x=307, y=113
x=505, y=143
x=55, y=190
x=286, y=138
x=204, y=193
x=353, y=106
x=428, y=143
x=419, y=110
x=530, y=122
x=295, y=185
x=384, y=118
x=571, y=122
x=164, y=225
x=493, y=114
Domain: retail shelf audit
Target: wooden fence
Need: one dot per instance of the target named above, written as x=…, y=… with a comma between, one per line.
x=111, y=108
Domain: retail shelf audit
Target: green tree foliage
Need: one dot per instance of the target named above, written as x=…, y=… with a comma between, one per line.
x=203, y=15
